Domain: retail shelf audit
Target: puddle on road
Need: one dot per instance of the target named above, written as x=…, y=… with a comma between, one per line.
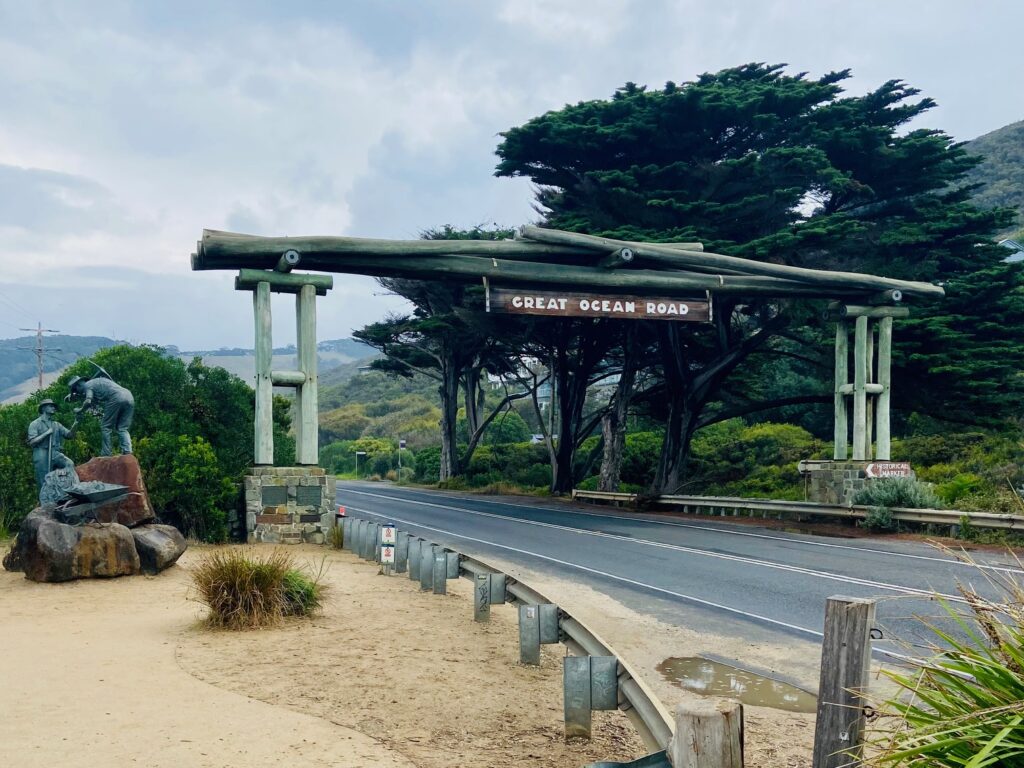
x=712, y=678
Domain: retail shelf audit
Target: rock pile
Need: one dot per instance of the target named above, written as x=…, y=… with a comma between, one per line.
x=125, y=540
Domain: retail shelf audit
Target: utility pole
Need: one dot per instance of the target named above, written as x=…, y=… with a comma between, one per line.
x=38, y=349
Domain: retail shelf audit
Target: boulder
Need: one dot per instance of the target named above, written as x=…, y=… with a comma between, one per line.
x=135, y=508
x=48, y=550
x=159, y=546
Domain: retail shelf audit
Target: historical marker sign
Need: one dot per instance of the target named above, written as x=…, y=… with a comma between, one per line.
x=521, y=301
x=888, y=469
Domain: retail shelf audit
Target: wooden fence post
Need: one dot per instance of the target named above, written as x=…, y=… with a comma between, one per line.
x=845, y=665
x=709, y=734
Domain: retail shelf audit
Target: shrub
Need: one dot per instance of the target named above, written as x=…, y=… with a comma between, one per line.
x=244, y=590
x=428, y=464
x=964, y=707
x=898, y=492
x=879, y=519
x=336, y=537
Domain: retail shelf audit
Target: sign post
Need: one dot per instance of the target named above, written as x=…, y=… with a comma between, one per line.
x=388, y=541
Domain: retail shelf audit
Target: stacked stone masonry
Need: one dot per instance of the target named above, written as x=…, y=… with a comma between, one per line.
x=288, y=505
x=836, y=482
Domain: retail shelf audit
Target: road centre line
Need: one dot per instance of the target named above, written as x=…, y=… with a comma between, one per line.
x=697, y=526
x=596, y=572
x=910, y=591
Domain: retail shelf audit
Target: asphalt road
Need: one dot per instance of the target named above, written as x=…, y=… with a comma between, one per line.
x=731, y=578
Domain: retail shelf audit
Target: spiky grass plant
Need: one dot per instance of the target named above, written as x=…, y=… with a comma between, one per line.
x=244, y=589
x=965, y=707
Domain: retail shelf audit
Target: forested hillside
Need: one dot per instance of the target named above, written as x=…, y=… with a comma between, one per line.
x=1001, y=172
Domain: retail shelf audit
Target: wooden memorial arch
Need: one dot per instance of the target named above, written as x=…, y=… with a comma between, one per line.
x=558, y=273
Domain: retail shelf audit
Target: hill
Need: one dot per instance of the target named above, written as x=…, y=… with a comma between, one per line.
x=339, y=359
x=1001, y=172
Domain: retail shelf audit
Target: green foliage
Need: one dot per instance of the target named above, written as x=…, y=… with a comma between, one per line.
x=523, y=464
x=898, y=492
x=246, y=589
x=880, y=520
x=18, y=492
x=428, y=464
x=336, y=537
x=760, y=460
x=958, y=487
x=965, y=706
x=509, y=427
x=187, y=485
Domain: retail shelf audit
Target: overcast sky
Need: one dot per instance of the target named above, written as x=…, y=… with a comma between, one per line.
x=126, y=128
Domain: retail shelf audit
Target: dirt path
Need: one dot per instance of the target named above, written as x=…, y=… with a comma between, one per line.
x=119, y=672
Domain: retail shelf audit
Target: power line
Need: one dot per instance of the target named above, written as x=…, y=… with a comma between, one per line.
x=39, y=349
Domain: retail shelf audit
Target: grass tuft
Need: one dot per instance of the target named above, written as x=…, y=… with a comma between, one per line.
x=245, y=590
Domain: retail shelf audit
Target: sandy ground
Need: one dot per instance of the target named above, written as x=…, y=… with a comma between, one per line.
x=121, y=672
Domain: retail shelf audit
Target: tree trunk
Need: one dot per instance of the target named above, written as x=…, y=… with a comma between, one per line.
x=571, y=386
x=449, y=394
x=679, y=430
x=613, y=423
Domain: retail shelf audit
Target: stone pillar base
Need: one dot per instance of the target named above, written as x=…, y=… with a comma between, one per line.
x=835, y=481
x=288, y=505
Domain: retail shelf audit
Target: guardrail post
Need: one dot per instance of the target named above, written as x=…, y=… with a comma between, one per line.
x=576, y=692
x=548, y=614
x=709, y=734
x=845, y=664
x=426, y=566
x=415, y=542
x=589, y=683
x=529, y=635
x=482, y=597
x=440, y=566
x=499, y=584
x=346, y=531
x=378, y=541
x=401, y=551
x=452, y=564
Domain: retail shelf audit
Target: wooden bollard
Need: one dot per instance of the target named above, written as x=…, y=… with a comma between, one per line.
x=845, y=665
x=709, y=734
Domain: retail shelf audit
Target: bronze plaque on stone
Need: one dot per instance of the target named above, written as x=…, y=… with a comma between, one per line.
x=274, y=495
x=309, y=495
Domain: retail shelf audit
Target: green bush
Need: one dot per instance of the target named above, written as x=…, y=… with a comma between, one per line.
x=244, y=589
x=879, y=519
x=187, y=486
x=896, y=492
x=959, y=486
x=427, y=463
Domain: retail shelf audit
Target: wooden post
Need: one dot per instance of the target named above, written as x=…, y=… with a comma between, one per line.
x=709, y=734
x=860, y=380
x=842, y=356
x=307, y=433
x=869, y=411
x=264, y=423
x=845, y=664
x=883, y=449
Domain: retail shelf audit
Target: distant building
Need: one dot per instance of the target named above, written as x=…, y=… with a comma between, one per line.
x=1017, y=248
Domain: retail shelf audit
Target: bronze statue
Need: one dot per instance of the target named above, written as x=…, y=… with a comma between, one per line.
x=115, y=401
x=46, y=437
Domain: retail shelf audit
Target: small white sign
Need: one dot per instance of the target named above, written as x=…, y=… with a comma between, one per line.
x=387, y=534
x=387, y=554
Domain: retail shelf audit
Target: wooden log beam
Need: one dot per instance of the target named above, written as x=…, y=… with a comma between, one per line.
x=232, y=250
x=553, y=275
x=620, y=258
x=838, y=310
x=841, y=432
x=883, y=444
x=288, y=378
x=715, y=262
x=291, y=282
x=860, y=380
x=264, y=422
x=307, y=437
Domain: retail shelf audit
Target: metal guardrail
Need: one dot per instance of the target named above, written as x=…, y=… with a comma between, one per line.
x=723, y=503
x=649, y=716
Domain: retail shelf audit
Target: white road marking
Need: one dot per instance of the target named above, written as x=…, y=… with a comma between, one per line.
x=595, y=571
x=689, y=550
